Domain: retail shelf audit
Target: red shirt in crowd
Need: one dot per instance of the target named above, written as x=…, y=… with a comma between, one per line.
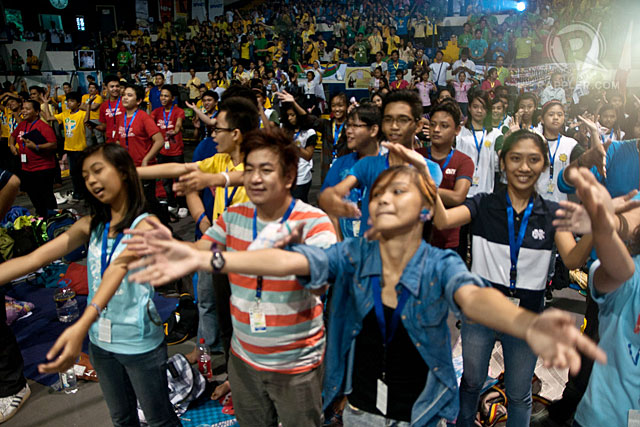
x=108, y=110
x=36, y=160
x=159, y=115
x=137, y=138
x=460, y=167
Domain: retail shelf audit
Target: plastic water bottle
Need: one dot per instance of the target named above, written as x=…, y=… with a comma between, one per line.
x=66, y=305
x=68, y=381
x=204, y=361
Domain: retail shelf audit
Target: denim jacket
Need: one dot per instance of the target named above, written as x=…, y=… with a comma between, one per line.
x=432, y=276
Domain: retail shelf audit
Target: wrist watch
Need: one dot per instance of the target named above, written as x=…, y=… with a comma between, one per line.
x=217, y=260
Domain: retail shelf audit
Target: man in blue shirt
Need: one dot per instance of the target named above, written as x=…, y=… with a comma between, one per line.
x=401, y=121
x=154, y=93
x=478, y=47
x=394, y=65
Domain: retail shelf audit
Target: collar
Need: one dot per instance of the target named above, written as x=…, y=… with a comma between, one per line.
x=412, y=274
x=538, y=203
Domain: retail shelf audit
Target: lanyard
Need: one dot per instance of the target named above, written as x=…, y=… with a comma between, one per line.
x=552, y=158
x=387, y=335
x=478, y=146
x=228, y=199
x=610, y=136
x=127, y=127
x=255, y=235
x=446, y=161
x=502, y=122
x=336, y=136
x=114, y=111
x=105, y=261
x=165, y=118
x=514, y=245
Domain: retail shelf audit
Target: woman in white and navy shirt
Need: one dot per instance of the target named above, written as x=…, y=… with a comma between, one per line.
x=512, y=243
x=296, y=121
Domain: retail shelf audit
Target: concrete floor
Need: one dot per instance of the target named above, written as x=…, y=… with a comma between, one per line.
x=87, y=407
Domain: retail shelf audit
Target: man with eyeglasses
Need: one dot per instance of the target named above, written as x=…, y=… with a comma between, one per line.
x=401, y=121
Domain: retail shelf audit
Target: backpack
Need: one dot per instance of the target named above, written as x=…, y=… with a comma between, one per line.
x=6, y=245
x=58, y=224
x=13, y=214
x=186, y=384
x=182, y=323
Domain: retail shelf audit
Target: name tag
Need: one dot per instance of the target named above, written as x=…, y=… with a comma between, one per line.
x=515, y=301
x=382, y=395
x=104, y=330
x=23, y=158
x=167, y=145
x=476, y=180
x=257, y=320
x=551, y=187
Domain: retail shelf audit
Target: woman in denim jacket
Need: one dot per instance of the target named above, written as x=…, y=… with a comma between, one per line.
x=398, y=277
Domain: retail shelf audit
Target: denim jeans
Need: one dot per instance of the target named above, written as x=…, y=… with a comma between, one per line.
x=519, y=363
x=352, y=417
x=207, y=316
x=125, y=377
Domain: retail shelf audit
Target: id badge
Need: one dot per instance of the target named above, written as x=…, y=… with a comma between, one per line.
x=476, y=180
x=356, y=227
x=515, y=301
x=551, y=187
x=113, y=134
x=23, y=158
x=257, y=320
x=104, y=330
x=382, y=394
x=167, y=145
x=633, y=418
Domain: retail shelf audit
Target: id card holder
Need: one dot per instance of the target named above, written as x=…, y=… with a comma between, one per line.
x=167, y=145
x=104, y=329
x=113, y=134
x=23, y=158
x=515, y=301
x=257, y=320
x=476, y=180
x=633, y=418
x=356, y=227
x=551, y=187
x=382, y=395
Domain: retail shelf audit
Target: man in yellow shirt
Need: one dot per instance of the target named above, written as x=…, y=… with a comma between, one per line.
x=90, y=129
x=193, y=85
x=393, y=41
x=375, y=43
x=9, y=119
x=62, y=99
x=74, y=139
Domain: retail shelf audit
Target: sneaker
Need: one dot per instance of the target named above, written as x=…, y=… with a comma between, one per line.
x=61, y=199
x=10, y=405
x=172, y=209
x=183, y=212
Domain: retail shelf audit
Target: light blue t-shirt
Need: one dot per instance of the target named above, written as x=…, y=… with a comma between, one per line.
x=366, y=171
x=614, y=388
x=340, y=170
x=136, y=326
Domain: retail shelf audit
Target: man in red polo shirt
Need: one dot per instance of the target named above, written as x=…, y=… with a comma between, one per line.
x=37, y=157
x=138, y=133
x=111, y=110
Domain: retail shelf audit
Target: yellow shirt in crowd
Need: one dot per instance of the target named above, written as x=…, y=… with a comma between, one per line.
x=95, y=115
x=222, y=162
x=74, y=134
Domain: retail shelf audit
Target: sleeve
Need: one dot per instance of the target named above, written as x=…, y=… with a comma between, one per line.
x=319, y=232
x=103, y=113
x=207, y=165
x=48, y=133
x=15, y=132
x=434, y=171
x=452, y=272
x=150, y=126
x=361, y=169
x=473, y=204
x=312, y=139
x=98, y=100
x=59, y=118
x=333, y=176
x=217, y=233
x=466, y=168
x=323, y=264
x=624, y=292
x=180, y=114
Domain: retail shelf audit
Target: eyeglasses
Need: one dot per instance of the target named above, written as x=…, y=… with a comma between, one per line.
x=217, y=129
x=400, y=120
x=355, y=125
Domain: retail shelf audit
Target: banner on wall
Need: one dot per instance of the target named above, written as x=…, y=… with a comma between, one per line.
x=166, y=10
x=199, y=10
x=216, y=8
x=142, y=11
x=357, y=78
x=182, y=9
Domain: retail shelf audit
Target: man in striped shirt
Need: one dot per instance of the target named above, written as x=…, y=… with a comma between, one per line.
x=278, y=340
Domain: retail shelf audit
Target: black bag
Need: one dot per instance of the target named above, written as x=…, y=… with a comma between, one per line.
x=182, y=324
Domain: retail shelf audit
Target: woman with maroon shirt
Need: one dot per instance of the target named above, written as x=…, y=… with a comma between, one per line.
x=37, y=158
x=169, y=119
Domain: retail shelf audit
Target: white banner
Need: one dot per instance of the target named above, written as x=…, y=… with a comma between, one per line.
x=199, y=10
x=216, y=8
x=142, y=11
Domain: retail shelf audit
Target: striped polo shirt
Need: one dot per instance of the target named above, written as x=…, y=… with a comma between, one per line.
x=295, y=338
x=490, y=244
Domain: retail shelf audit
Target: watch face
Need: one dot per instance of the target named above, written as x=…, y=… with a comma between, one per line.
x=59, y=4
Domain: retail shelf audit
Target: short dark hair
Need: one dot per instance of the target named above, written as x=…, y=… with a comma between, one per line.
x=409, y=97
x=159, y=74
x=111, y=78
x=527, y=95
x=279, y=143
x=93, y=84
x=38, y=89
x=66, y=84
x=34, y=104
x=139, y=90
x=171, y=89
x=241, y=113
x=75, y=96
x=450, y=107
x=485, y=99
x=367, y=112
x=239, y=91
x=212, y=93
x=525, y=134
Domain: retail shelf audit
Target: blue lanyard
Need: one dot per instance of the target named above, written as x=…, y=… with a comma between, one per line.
x=552, y=158
x=478, y=146
x=255, y=235
x=387, y=335
x=296, y=135
x=165, y=118
x=228, y=199
x=386, y=160
x=105, y=261
x=336, y=136
x=446, y=161
x=501, y=122
x=128, y=126
x=213, y=116
x=115, y=111
x=610, y=136
x=515, y=245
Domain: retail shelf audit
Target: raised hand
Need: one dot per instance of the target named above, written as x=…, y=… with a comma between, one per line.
x=194, y=180
x=590, y=124
x=169, y=260
x=408, y=155
x=139, y=242
x=190, y=105
x=554, y=337
x=285, y=96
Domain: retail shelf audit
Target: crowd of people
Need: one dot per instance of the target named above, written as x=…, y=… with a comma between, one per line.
x=449, y=193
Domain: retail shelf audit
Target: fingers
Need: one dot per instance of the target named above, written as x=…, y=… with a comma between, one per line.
x=626, y=207
x=589, y=348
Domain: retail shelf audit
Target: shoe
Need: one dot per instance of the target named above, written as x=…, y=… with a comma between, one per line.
x=172, y=209
x=10, y=405
x=60, y=199
x=183, y=212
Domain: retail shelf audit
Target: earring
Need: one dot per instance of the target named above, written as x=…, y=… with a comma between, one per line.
x=425, y=215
